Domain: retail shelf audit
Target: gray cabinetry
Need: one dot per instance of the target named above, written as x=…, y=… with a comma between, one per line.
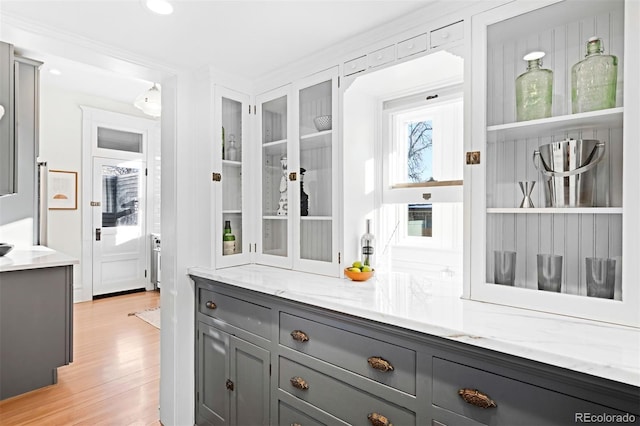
x=36, y=327
x=232, y=374
x=322, y=373
x=7, y=141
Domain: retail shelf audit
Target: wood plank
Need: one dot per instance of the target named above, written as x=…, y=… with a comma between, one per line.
x=115, y=376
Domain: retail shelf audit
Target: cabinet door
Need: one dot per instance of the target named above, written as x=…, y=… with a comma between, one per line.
x=563, y=255
x=7, y=141
x=274, y=234
x=250, y=367
x=231, y=131
x=318, y=175
x=212, y=371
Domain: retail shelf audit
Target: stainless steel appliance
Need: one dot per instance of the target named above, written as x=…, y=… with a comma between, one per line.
x=155, y=260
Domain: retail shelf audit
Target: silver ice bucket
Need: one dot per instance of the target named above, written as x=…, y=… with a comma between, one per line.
x=569, y=169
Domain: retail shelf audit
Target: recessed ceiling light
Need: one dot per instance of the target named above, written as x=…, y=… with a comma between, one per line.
x=55, y=71
x=162, y=7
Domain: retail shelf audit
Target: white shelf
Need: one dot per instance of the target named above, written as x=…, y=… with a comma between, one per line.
x=316, y=134
x=325, y=218
x=551, y=210
x=274, y=143
x=548, y=126
x=231, y=211
x=231, y=163
x=275, y=217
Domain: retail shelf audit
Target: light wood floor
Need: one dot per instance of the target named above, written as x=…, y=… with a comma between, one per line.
x=114, y=378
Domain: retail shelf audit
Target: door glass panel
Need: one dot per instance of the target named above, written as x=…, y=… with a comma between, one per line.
x=232, y=139
x=316, y=172
x=119, y=140
x=120, y=196
x=275, y=204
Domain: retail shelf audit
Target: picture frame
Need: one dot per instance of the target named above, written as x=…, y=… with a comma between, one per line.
x=62, y=190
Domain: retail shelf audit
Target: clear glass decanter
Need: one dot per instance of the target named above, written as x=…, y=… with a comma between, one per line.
x=594, y=79
x=534, y=89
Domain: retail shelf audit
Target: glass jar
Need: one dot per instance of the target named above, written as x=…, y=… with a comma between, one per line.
x=594, y=79
x=534, y=89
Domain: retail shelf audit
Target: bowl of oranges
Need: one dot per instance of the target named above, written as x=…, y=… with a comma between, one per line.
x=358, y=272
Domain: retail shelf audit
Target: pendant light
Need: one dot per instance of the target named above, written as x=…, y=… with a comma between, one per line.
x=150, y=101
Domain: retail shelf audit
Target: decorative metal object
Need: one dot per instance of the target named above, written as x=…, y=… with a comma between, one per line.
x=477, y=398
x=527, y=188
x=380, y=364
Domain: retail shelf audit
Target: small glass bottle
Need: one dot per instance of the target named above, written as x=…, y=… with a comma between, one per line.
x=232, y=151
x=534, y=89
x=367, y=244
x=228, y=239
x=594, y=80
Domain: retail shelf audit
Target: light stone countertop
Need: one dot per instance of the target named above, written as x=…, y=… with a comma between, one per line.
x=35, y=257
x=433, y=306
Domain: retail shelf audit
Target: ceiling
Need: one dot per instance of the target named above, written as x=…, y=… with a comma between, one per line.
x=240, y=37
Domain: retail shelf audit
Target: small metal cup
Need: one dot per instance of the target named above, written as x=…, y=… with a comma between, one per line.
x=527, y=188
x=549, y=272
x=504, y=267
x=601, y=277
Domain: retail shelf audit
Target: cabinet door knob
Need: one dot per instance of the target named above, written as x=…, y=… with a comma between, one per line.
x=229, y=385
x=477, y=398
x=380, y=363
x=445, y=35
x=378, y=420
x=299, y=382
x=210, y=305
x=293, y=176
x=299, y=336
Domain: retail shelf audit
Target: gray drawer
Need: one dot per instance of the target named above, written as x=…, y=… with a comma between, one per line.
x=351, y=351
x=517, y=403
x=338, y=398
x=289, y=416
x=248, y=316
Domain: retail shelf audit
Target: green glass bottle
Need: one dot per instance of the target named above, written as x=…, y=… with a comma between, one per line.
x=534, y=89
x=228, y=239
x=594, y=79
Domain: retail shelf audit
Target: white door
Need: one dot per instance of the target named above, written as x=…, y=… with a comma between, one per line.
x=119, y=249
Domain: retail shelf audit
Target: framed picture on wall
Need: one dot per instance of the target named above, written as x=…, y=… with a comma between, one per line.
x=62, y=188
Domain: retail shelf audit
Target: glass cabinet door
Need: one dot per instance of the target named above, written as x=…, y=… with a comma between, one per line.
x=316, y=175
x=231, y=110
x=274, y=234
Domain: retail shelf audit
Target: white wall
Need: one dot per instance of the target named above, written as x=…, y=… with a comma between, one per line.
x=61, y=147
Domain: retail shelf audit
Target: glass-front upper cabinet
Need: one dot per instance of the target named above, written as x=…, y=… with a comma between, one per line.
x=274, y=222
x=316, y=175
x=231, y=135
x=554, y=111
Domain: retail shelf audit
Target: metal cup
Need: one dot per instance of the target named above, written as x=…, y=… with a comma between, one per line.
x=504, y=267
x=527, y=188
x=549, y=272
x=601, y=277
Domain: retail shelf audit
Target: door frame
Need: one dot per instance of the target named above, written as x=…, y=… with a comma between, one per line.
x=150, y=128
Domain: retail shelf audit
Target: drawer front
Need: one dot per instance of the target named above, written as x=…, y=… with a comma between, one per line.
x=382, y=56
x=352, y=352
x=338, y=398
x=289, y=416
x=412, y=46
x=448, y=34
x=355, y=65
x=248, y=316
x=517, y=403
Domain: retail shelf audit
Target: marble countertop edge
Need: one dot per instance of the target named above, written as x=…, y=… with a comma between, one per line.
x=35, y=257
x=599, y=349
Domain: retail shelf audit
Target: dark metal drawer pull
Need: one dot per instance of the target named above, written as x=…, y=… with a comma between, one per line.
x=378, y=420
x=299, y=382
x=299, y=335
x=210, y=305
x=229, y=385
x=295, y=424
x=380, y=363
x=477, y=398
